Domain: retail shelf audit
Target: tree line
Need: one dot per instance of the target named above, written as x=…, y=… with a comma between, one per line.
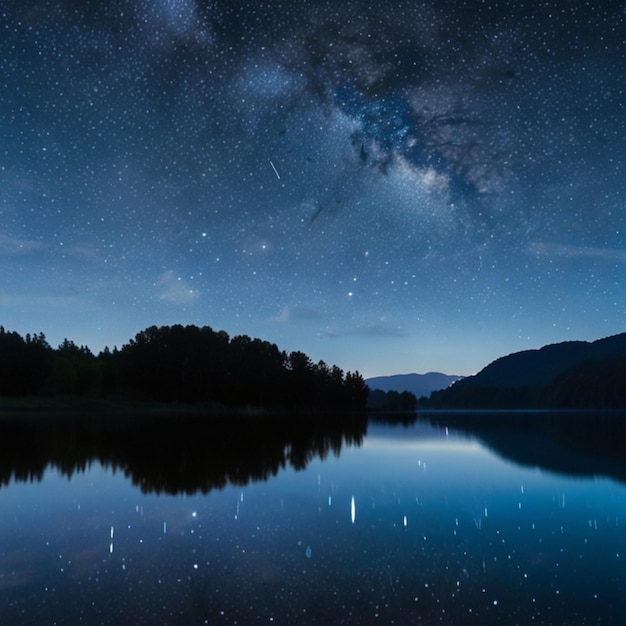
x=391, y=400
x=185, y=364
x=175, y=456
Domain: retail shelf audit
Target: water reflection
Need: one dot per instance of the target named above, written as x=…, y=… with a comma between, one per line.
x=191, y=454
x=574, y=444
x=409, y=525
x=174, y=455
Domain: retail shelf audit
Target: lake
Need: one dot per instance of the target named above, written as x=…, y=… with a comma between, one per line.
x=470, y=520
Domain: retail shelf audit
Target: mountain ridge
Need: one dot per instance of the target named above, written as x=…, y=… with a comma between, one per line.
x=543, y=365
x=570, y=374
x=418, y=384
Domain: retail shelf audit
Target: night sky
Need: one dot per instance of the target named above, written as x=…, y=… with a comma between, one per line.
x=390, y=187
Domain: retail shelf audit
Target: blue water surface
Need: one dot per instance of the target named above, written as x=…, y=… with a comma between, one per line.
x=417, y=525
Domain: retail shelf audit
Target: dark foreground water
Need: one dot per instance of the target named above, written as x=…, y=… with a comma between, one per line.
x=399, y=526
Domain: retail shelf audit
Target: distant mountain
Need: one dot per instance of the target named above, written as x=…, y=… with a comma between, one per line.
x=572, y=374
x=418, y=384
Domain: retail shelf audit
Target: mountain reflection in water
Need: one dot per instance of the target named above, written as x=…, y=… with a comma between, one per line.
x=581, y=444
x=174, y=455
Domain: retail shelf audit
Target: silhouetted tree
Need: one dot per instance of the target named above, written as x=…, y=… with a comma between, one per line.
x=184, y=364
x=24, y=363
x=74, y=371
x=391, y=400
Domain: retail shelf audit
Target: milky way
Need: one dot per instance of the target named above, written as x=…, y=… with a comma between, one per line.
x=424, y=185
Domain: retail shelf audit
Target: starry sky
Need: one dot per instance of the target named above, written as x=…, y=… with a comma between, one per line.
x=390, y=187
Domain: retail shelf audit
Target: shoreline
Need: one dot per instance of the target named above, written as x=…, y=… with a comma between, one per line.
x=68, y=407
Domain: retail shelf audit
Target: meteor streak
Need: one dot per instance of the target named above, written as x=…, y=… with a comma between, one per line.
x=275, y=170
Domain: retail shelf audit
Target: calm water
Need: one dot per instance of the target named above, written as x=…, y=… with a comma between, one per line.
x=409, y=525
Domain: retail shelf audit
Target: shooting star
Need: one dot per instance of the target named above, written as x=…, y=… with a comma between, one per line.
x=275, y=170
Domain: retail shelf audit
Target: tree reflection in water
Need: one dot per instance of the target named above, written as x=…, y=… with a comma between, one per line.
x=187, y=454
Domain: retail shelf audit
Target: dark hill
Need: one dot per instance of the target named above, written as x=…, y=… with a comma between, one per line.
x=541, y=367
x=572, y=374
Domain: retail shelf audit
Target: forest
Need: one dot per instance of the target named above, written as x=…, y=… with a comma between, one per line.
x=177, y=364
